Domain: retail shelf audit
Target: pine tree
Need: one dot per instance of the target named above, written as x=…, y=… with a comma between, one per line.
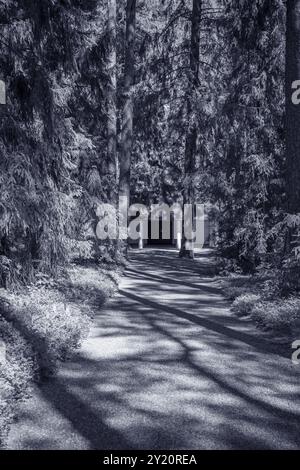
x=192, y=131
x=112, y=96
x=127, y=112
x=292, y=109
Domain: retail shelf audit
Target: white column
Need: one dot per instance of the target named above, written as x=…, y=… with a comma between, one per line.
x=178, y=241
x=2, y=93
x=141, y=244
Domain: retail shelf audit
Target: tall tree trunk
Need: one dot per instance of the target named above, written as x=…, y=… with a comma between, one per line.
x=127, y=117
x=111, y=97
x=292, y=110
x=192, y=132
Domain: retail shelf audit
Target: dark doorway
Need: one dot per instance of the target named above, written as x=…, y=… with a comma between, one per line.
x=161, y=240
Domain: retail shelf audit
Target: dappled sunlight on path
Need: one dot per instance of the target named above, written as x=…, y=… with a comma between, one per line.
x=167, y=366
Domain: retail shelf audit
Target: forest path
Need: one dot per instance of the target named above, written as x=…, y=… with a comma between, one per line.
x=167, y=366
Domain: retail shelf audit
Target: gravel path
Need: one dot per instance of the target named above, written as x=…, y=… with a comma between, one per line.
x=167, y=366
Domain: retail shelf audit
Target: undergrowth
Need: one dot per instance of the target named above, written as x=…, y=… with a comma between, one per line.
x=260, y=297
x=42, y=324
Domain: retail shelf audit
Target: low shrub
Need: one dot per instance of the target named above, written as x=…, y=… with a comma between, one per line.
x=18, y=367
x=261, y=297
x=231, y=293
x=244, y=304
x=43, y=324
x=236, y=285
x=90, y=286
x=47, y=322
x=280, y=314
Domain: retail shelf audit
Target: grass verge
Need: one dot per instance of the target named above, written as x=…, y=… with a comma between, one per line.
x=43, y=324
x=259, y=297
